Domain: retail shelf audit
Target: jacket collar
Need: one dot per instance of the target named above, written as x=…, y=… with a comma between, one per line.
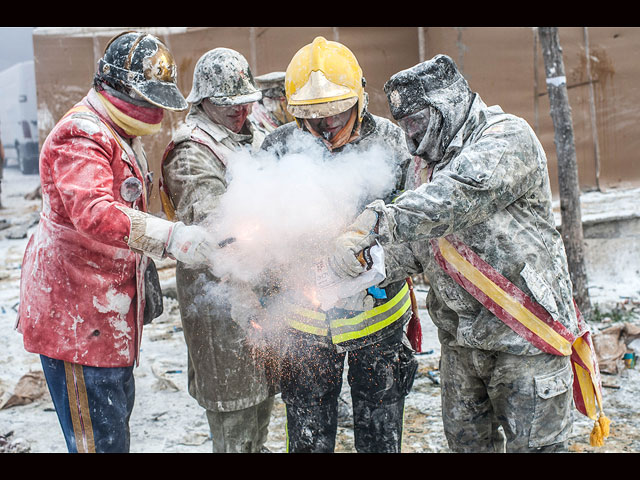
x=473, y=119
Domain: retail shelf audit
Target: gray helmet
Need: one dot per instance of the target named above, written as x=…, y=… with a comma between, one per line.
x=271, y=84
x=223, y=76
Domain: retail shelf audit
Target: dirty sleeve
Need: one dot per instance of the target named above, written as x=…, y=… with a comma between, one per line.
x=485, y=177
x=196, y=179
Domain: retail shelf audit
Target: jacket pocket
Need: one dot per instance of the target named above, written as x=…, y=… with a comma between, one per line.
x=552, y=410
x=542, y=292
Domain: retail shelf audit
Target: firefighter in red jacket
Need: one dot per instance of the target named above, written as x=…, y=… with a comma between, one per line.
x=82, y=292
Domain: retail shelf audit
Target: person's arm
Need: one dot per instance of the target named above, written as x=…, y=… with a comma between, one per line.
x=82, y=175
x=195, y=178
x=400, y=262
x=486, y=177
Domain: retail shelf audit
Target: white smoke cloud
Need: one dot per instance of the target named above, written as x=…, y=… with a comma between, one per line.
x=286, y=212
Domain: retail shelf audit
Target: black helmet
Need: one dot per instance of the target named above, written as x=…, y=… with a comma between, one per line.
x=139, y=63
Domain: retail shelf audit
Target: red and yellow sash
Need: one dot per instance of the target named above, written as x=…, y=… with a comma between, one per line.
x=531, y=321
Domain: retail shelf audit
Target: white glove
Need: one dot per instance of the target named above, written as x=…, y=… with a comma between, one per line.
x=191, y=244
x=361, y=234
x=360, y=302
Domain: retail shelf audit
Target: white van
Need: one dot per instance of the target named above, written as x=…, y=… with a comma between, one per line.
x=19, y=116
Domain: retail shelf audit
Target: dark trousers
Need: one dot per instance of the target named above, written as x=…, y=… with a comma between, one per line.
x=93, y=405
x=380, y=377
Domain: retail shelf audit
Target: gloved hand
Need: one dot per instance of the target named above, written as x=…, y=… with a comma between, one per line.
x=360, y=302
x=190, y=244
x=360, y=235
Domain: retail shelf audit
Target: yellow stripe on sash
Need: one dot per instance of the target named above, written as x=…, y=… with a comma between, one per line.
x=503, y=299
x=586, y=391
x=585, y=353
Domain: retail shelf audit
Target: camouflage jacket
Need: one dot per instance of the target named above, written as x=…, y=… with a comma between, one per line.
x=491, y=191
x=222, y=374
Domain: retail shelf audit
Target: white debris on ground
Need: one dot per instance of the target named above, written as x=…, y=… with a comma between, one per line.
x=166, y=419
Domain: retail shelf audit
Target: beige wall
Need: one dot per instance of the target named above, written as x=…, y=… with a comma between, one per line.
x=503, y=64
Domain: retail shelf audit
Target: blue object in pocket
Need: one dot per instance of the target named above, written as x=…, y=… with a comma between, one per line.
x=377, y=292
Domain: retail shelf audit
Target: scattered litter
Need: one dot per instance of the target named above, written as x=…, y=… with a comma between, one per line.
x=612, y=343
x=156, y=416
x=163, y=383
x=13, y=446
x=30, y=387
x=194, y=438
x=629, y=359
x=427, y=352
x=434, y=376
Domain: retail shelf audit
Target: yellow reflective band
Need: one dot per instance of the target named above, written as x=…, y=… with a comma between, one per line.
x=304, y=312
x=503, y=299
x=303, y=327
x=373, y=328
x=286, y=428
x=379, y=311
x=320, y=327
x=341, y=322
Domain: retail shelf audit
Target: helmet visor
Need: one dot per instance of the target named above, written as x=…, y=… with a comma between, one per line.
x=321, y=110
x=162, y=94
x=236, y=99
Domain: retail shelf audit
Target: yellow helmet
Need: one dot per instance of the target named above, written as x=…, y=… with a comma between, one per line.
x=324, y=79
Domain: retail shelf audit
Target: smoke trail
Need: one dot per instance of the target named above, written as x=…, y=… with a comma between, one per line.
x=285, y=212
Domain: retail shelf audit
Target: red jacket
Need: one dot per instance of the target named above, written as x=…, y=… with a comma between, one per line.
x=81, y=290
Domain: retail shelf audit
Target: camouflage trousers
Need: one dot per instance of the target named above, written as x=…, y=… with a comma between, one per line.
x=241, y=431
x=530, y=397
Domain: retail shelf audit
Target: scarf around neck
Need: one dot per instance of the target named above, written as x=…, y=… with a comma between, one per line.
x=135, y=120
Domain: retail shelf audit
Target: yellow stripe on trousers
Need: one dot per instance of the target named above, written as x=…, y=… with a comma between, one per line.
x=503, y=299
x=79, y=408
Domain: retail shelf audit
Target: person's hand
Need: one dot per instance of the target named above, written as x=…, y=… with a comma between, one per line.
x=360, y=235
x=191, y=244
x=360, y=302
